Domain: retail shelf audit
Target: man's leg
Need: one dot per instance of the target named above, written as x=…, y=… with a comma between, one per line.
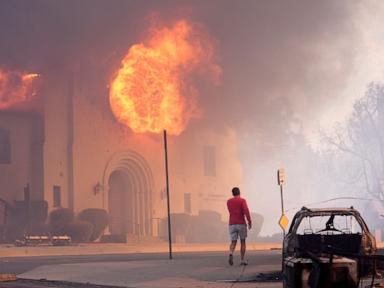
x=232, y=248
x=242, y=249
x=243, y=236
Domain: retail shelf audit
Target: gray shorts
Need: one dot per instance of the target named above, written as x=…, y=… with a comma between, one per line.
x=237, y=230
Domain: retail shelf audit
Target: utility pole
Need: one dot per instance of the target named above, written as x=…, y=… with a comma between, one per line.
x=168, y=202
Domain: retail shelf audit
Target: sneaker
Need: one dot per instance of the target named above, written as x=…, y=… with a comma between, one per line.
x=230, y=260
x=244, y=263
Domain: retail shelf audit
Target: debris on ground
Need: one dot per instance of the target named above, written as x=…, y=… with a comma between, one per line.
x=7, y=277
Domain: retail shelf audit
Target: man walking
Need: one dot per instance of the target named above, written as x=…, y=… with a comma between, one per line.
x=238, y=211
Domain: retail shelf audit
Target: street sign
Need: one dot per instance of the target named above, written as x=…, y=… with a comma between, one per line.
x=283, y=222
x=280, y=177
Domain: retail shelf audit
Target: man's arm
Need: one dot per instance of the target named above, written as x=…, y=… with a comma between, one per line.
x=247, y=214
x=228, y=206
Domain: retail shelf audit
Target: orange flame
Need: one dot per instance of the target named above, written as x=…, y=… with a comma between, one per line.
x=15, y=88
x=152, y=89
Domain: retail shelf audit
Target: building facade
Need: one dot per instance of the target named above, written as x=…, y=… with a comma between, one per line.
x=72, y=153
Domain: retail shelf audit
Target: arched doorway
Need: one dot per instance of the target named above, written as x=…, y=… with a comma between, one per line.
x=119, y=204
x=128, y=198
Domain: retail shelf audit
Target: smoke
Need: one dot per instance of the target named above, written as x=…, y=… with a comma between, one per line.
x=295, y=50
x=288, y=66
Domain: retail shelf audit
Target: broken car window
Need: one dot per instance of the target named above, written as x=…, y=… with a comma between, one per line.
x=329, y=225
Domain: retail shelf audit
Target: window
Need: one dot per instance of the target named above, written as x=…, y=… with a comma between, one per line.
x=56, y=196
x=209, y=161
x=338, y=224
x=5, y=146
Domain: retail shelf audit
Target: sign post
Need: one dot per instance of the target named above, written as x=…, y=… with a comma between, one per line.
x=283, y=222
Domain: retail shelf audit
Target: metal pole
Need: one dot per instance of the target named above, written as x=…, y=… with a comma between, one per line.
x=282, y=205
x=167, y=186
x=282, y=213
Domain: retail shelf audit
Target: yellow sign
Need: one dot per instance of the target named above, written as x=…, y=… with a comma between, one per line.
x=283, y=222
x=281, y=176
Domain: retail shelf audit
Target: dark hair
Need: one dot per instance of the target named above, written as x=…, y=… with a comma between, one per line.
x=235, y=191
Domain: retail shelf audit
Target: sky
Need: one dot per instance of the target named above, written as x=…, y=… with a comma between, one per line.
x=288, y=66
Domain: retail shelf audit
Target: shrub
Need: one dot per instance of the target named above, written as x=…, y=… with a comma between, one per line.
x=27, y=213
x=98, y=218
x=61, y=216
x=38, y=229
x=12, y=232
x=180, y=225
x=207, y=228
x=79, y=231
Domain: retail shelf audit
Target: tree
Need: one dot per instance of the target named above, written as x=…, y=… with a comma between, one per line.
x=356, y=149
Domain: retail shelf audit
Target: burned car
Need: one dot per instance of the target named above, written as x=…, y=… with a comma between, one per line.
x=325, y=246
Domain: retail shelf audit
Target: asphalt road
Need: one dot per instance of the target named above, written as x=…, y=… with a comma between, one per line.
x=212, y=274
x=18, y=265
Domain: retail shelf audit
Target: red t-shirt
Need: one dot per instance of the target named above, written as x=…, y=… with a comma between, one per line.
x=238, y=208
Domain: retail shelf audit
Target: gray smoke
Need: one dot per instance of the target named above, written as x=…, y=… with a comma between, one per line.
x=284, y=64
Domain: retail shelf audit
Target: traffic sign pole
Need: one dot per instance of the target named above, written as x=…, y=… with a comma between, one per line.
x=282, y=206
x=283, y=222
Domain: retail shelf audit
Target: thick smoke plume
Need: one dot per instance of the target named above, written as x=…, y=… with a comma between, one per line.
x=288, y=67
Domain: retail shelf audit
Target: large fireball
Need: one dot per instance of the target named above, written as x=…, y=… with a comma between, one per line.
x=16, y=88
x=153, y=90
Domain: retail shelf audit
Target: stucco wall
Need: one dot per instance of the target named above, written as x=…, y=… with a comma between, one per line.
x=98, y=137
x=56, y=94
x=187, y=169
x=26, y=159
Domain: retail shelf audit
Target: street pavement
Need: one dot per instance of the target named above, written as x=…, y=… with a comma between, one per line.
x=209, y=270
x=192, y=266
x=187, y=269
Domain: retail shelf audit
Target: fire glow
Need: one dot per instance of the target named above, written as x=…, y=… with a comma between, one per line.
x=152, y=90
x=16, y=88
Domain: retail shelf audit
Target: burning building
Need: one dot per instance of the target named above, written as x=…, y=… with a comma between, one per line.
x=91, y=135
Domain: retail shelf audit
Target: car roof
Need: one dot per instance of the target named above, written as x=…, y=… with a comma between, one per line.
x=330, y=209
x=326, y=211
x=320, y=212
